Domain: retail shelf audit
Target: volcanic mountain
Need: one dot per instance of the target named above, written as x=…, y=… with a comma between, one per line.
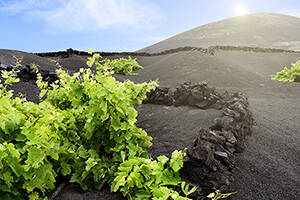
x=262, y=29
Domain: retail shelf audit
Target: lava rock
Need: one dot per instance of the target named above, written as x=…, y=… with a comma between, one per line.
x=27, y=73
x=161, y=96
x=198, y=95
x=228, y=135
x=202, y=176
x=210, y=159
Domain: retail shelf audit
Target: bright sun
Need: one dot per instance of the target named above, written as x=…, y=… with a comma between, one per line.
x=240, y=9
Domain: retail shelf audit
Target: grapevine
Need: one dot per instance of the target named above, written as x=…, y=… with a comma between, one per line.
x=288, y=75
x=85, y=129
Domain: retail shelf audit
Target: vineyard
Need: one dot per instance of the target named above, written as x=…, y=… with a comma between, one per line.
x=84, y=128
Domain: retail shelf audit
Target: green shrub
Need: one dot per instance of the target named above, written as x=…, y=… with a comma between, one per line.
x=122, y=65
x=142, y=178
x=85, y=129
x=288, y=75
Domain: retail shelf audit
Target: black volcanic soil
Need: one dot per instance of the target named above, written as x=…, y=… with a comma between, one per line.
x=269, y=168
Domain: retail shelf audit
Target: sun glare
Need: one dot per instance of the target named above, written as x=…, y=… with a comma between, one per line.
x=240, y=9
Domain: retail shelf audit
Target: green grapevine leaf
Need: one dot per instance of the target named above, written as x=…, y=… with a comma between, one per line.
x=35, y=157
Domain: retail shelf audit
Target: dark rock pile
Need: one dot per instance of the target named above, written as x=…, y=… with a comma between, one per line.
x=211, y=158
x=160, y=96
x=63, y=54
x=197, y=95
x=28, y=74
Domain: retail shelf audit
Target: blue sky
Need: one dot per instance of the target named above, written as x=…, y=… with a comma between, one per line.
x=114, y=25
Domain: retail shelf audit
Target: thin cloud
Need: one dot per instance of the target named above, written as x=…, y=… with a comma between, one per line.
x=15, y=7
x=85, y=15
x=291, y=12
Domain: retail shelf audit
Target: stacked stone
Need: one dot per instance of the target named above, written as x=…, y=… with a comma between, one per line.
x=69, y=52
x=209, y=51
x=211, y=158
x=27, y=73
x=250, y=49
x=197, y=95
x=160, y=96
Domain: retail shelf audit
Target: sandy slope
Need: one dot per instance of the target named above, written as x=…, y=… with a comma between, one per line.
x=8, y=57
x=230, y=69
x=261, y=29
x=270, y=166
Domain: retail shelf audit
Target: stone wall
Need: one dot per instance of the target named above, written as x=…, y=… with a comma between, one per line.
x=211, y=155
x=210, y=50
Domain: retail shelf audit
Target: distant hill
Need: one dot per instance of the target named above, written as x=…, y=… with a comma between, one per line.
x=266, y=30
